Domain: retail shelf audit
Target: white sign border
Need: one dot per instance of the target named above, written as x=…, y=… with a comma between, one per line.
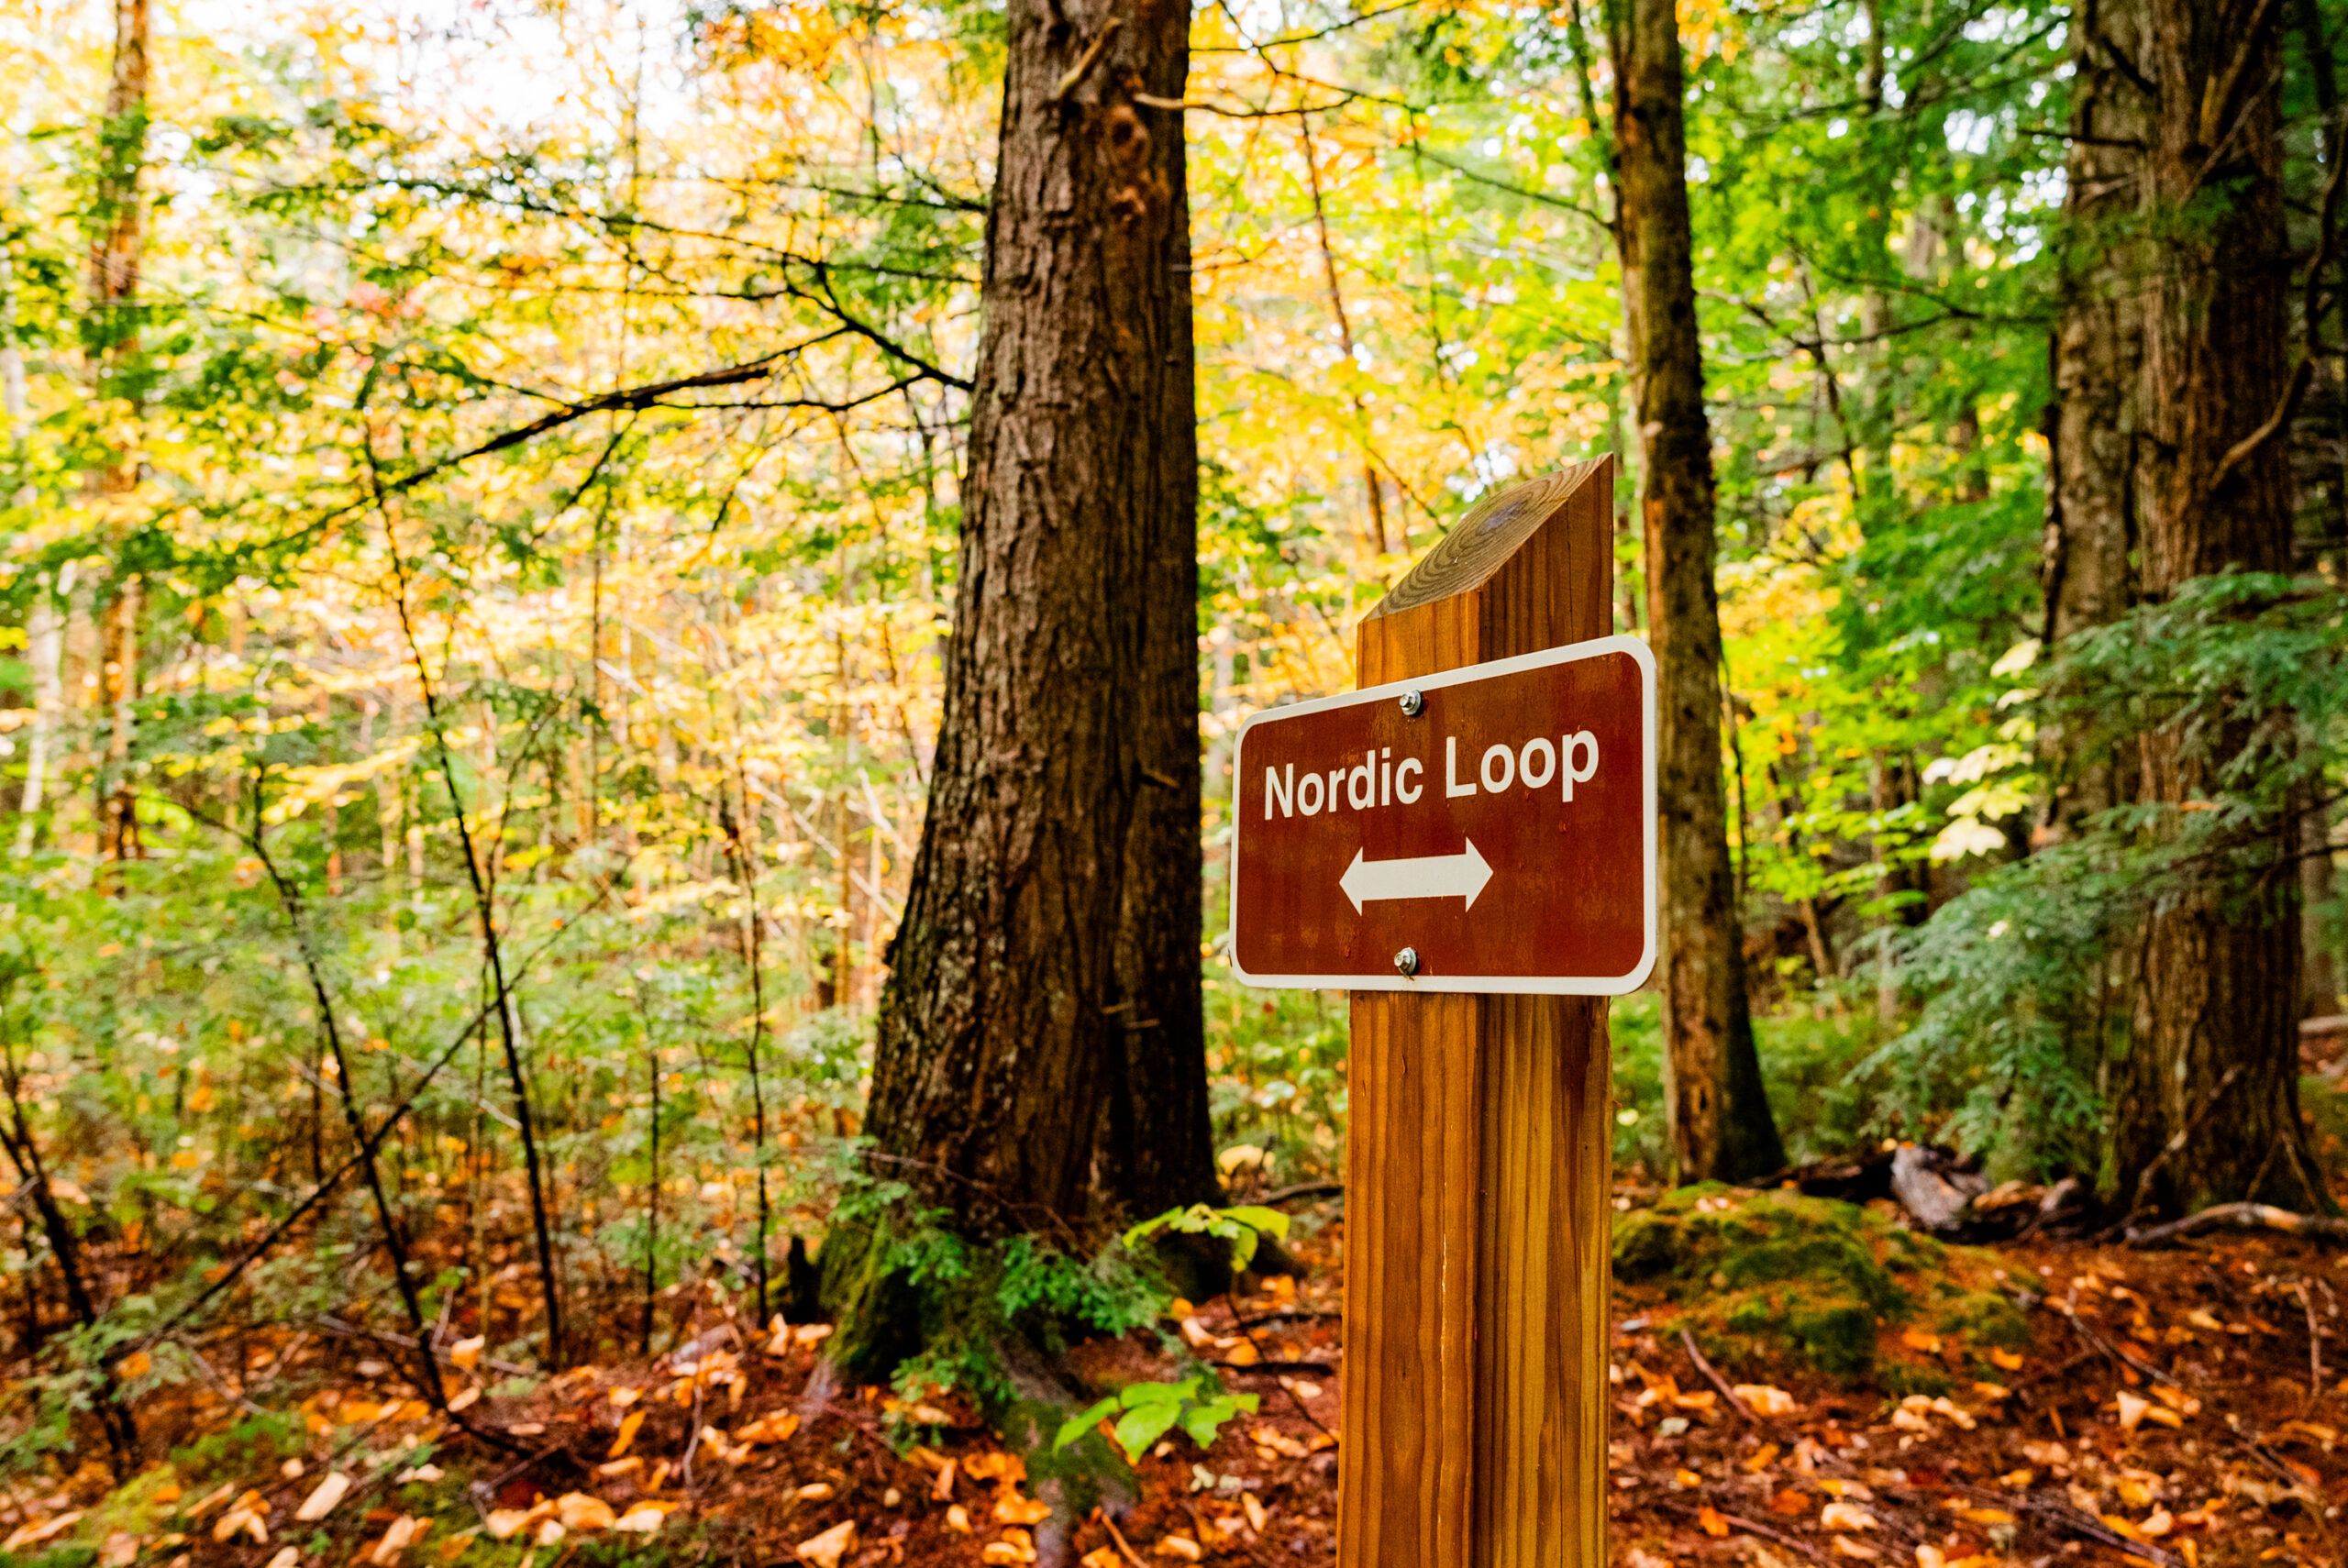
x=1484, y=985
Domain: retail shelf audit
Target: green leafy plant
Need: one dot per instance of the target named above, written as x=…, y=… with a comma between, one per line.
x=1148, y=1411
x=1244, y=1226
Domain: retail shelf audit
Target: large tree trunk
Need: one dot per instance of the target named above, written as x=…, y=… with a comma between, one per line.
x=2208, y=1103
x=2098, y=351
x=1039, y=1063
x=1719, y=1117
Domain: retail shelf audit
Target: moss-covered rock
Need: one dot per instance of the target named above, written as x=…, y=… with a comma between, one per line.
x=1810, y=1278
x=1984, y=1317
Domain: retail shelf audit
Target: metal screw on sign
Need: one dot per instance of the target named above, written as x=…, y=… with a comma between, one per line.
x=1408, y=959
x=1412, y=704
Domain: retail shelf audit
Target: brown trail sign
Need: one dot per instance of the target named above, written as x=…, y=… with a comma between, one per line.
x=1477, y=1158
x=1484, y=829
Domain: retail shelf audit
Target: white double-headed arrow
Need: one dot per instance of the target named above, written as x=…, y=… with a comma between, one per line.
x=1460, y=875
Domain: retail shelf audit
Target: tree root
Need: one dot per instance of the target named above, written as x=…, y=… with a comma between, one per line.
x=2243, y=1217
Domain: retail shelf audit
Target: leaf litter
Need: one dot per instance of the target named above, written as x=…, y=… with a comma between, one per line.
x=2116, y=1407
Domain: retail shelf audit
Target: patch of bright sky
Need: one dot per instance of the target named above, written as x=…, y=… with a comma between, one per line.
x=488, y=66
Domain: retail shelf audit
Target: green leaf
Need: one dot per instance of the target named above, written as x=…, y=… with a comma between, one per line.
x=1243, y=1246
x=1200, y=1423
x=1270, y=1221
x=1076, y=1425
x=1144, y=1424
x=1133, y=1396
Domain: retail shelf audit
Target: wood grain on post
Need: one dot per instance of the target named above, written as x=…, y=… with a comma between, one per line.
x=1477, y=1164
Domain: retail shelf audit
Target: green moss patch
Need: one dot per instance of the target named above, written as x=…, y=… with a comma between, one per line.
x=1776, y=1273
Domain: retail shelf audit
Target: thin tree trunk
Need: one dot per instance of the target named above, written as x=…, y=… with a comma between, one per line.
x=745, y=869
x=32, y=1172
x=1377, y=533
x=116, y=248
x=1040, y=1056
x=652, y=1201
x=289, y=895
x=44, y=623
x=492, y=953
x=2206, y=1108
x=1718, y=1115
x=2097, y=426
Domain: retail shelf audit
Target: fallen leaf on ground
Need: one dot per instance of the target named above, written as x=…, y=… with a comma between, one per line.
x=579, y=1511
x=1845, y=1516
x=826, y=1550
x=1764, y=1400
x=287, y=1556
x=1709, y=1519
x=1279, y=1443
x=997, y=1465
x=629, y=1425
x=248, y=1515
x=400, y=1534
x=1181, y=1546
x=776, y=1428
x=47, y=1530
x=323, y=1498
x=465, y=1354
x=1017, y=1546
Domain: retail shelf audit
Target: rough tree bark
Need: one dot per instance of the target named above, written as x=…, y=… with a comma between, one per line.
x=1039, y=1062
x=2097, y=425
x=2207, y=1105
x=1719, y=1115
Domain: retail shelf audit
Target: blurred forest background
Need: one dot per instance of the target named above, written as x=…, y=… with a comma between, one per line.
x=479, y=502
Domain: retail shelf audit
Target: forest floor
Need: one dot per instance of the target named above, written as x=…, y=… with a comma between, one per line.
x=2105, y=1406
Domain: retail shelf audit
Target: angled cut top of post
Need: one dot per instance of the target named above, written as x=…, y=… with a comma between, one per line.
x=1530, y=568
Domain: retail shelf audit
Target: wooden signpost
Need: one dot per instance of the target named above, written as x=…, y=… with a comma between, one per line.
x=1478, y=1154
